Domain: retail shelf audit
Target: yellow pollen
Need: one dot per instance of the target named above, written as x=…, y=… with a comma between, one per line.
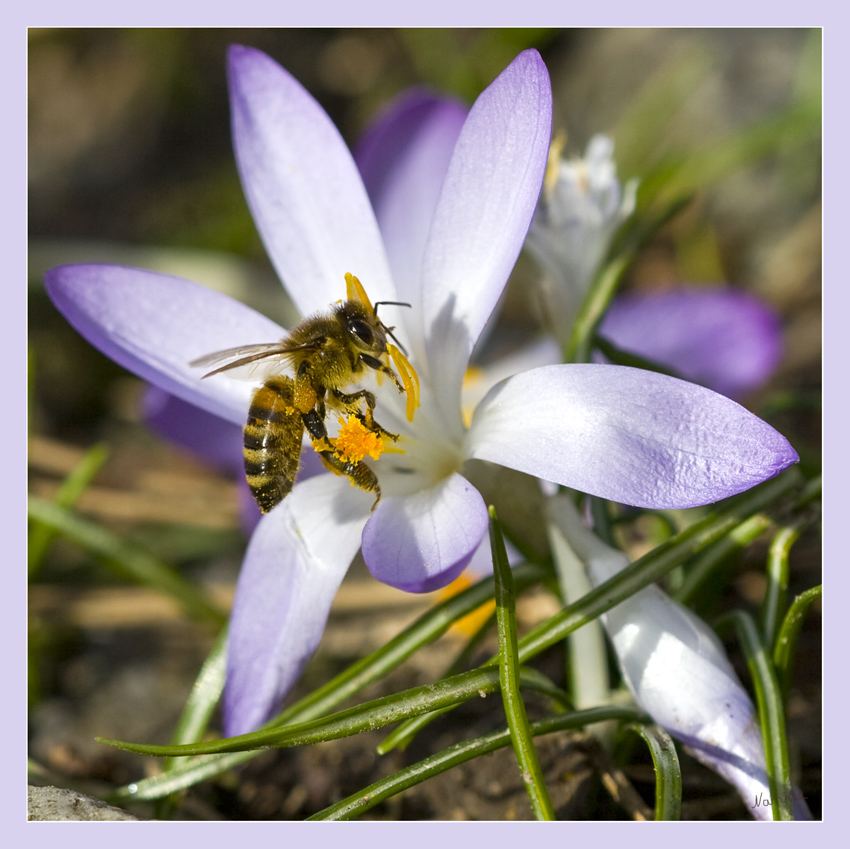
x=305, y=396
x=355, y=441
x=321, y=445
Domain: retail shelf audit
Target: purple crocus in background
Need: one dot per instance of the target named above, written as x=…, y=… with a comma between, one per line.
x=618, y=433
x=719, y=337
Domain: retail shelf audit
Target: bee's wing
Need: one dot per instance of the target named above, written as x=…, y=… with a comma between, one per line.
x=244, y=355
x=255, y=361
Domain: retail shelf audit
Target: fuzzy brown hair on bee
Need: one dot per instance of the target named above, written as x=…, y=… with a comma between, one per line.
x=325, y=354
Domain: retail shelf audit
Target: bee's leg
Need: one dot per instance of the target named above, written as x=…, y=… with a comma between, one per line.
x=358, y=472
x=351, y=401
x=375, y=363
x=320, y=403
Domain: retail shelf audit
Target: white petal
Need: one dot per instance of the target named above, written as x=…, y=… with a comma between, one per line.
x=483, y=214
x=155, y=325
x=423, y=542
x=626, y=434
x=302, y=186
x=297, y=558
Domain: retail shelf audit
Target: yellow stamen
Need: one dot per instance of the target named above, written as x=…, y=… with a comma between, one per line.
x=409, y=378
x=355, y=441
x=355, y=291
x=473, y=376
x=553, y=163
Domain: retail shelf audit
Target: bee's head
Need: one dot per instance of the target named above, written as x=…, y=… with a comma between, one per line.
x=365, y=329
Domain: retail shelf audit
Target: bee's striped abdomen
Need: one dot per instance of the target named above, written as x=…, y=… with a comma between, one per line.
x=272, y=439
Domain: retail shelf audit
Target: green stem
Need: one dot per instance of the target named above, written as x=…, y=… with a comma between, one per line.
x=593, y=308
x=776, y=594
x=372, y=795
x=668, y=773
x=521, y=737
x=771, y=712
x=784, y=648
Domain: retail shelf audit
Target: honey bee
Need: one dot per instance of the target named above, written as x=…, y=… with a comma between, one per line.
x=326, y=353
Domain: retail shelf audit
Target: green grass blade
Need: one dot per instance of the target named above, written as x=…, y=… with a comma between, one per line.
x=197, y=712
x=704, y=566
x=402, y=736
x=127, y=559
x=644, y=571
x=657, y=563
x=364, y=717
x=771, y=712
x=521, y=737
x=653, y=566
x=41, y=535
x=776, y=593
x=424, y=631
x=668, y=773
x=784, y=648
x=372, y=795
x=429, y=627
x=205, y=695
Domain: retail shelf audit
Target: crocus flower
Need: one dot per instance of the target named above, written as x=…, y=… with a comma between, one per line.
x=618, y=433
x=581, y=208
x=677, y=671
x=719, y=337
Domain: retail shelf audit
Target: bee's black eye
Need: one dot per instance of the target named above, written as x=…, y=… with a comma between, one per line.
x=362, y=330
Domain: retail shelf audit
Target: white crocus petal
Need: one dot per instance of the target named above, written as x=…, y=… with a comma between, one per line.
x=677, y=670
x=155, y=326
x=626, y=434
x=482, y=216
x=302, y=186
x=479, y=380
x=588, y=655
x=403, y=158
x=424, y=541
x=297, y=557
x=581, y=207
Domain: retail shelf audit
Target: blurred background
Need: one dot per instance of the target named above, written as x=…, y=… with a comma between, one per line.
x=130, y=161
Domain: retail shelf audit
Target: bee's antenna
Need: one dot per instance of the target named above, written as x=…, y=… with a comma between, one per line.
x=390, y=329
x=397, y=303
